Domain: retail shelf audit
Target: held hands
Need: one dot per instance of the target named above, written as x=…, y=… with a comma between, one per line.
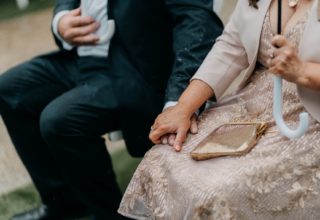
x=172, y=126
x=78, y=30
x=285, y=61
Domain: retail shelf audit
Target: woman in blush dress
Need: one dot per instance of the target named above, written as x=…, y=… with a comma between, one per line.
x=279, y=178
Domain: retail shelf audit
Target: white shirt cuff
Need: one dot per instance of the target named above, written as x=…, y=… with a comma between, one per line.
x=55, y=23
x=169, y=104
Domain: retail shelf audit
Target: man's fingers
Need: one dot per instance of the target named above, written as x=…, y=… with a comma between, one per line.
x=172, y=138
x=180, y=138
x=86, y=40
x=155, y=135
x=81, y=21
x=82, y=31
x=164, y=139
x=194, y=124
x=279, y=41
x=75, y=12
x=273, y=62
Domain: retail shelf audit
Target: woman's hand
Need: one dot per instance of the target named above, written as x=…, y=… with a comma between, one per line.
x=285, y=61
x=172, y=126
x=170, y=138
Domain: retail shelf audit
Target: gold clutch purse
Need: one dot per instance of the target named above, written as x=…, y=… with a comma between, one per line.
x=231, y=139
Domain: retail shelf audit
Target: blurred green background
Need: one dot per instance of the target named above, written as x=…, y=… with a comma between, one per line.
x=9, y=9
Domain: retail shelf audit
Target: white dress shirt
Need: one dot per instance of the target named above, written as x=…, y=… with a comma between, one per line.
x=97, y=9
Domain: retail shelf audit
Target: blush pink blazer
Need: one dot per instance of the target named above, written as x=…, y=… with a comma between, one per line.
x=237, y=48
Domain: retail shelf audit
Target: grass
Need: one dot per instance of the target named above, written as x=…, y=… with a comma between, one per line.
x=17, y=201
x=9, y=9
x=124, y=166
x=27, y=197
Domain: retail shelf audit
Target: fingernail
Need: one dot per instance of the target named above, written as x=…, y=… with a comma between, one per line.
x=194, y=131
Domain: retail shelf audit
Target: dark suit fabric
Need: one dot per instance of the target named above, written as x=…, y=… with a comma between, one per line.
x=57, y=106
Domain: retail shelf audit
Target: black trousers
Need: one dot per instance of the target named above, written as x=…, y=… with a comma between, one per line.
x=56, y=108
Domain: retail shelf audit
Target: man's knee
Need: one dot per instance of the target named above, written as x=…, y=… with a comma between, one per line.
x=6, y=85
x=61, y=120
x=9, y=103
x=52, y=123
x=14, y=84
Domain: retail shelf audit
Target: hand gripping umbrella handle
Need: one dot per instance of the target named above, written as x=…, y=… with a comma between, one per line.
x=277, y=101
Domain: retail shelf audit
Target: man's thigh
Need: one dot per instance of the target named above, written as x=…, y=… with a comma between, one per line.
x=89, y=109
x=32, y=85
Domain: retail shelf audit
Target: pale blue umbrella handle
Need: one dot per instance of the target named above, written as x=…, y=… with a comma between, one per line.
x=277, y=113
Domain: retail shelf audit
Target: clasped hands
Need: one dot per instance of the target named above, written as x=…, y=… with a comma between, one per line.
x=172, y=125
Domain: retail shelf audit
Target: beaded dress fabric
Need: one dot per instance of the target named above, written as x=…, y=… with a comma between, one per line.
x=278, y=179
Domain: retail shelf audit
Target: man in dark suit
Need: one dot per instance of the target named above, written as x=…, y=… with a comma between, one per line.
x=57, y=106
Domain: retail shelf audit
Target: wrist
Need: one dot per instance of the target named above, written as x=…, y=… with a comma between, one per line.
x=301, y=74
x=185, y=109
x=304, y=75
x=169, y=104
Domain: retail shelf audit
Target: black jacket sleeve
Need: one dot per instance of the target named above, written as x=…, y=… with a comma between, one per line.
x=62, y=5
x=195, y=29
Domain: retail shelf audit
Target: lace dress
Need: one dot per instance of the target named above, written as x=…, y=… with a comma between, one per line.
x=278, y=179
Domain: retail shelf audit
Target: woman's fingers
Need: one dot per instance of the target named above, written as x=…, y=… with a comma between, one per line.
x=180, y=138
x=285, y=61
x=278, y=60
x=194, y=124
x=279, y=41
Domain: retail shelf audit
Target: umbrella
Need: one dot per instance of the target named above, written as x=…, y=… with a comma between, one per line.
x=277, y=101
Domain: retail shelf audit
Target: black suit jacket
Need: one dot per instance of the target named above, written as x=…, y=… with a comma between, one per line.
x=161, y=41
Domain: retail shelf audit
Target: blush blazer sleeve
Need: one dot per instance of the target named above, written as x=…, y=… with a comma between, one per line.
x=237, y=49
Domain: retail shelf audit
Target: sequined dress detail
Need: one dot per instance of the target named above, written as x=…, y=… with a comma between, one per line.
x=278, y=179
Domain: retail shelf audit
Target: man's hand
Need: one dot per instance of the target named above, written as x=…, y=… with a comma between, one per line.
x=172, y=126
x=78, y=30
